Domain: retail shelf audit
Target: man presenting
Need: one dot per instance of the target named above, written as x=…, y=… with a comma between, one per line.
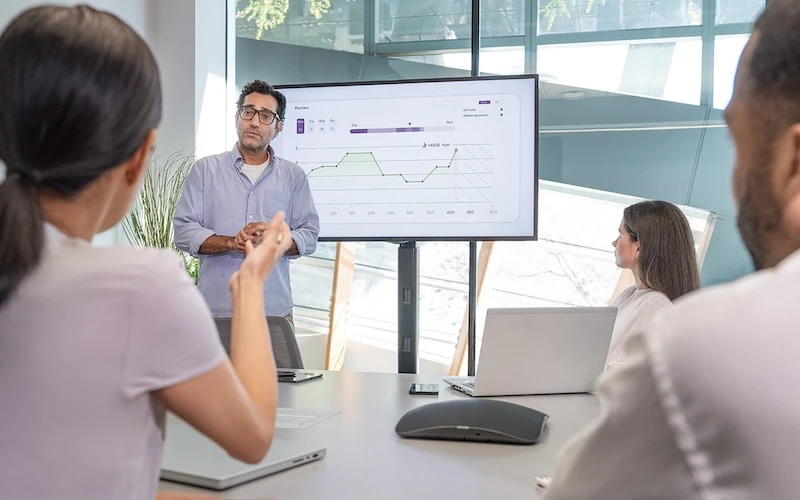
x=228, y=198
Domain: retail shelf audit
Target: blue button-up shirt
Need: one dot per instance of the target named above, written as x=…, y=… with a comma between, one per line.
x=218, y=198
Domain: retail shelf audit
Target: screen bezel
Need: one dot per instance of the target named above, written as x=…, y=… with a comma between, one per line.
x=402, y=239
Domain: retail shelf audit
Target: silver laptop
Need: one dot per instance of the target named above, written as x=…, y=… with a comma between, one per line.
x=542, y=350
x=191, y=458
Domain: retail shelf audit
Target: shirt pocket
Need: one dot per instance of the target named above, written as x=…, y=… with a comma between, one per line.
x=273, y=202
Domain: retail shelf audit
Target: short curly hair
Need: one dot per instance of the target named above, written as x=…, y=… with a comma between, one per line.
x=262, y=87
x=774, y=67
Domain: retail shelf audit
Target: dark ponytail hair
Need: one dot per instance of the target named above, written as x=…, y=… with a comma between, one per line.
x=79, y=93
x=667, y=258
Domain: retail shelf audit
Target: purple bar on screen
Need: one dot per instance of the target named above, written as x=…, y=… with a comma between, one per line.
x=301, y=126
x=484, y=102
x=386, y=130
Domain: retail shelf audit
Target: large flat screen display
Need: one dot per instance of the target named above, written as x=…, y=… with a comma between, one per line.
x=451, y=159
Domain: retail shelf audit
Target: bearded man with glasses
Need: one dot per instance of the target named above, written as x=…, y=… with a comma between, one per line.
x=229, y=198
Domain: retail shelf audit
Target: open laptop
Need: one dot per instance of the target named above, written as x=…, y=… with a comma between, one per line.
x=542, y=350
x=191, y=458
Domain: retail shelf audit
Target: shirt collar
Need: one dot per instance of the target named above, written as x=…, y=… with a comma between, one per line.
x=791, y=260
x=236, y=155
x=54, y=237
x=237, y=160
x=51, y=232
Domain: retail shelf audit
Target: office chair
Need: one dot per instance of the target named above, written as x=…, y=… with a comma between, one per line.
x=284, y=342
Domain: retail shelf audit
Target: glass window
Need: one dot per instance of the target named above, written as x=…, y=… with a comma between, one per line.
x=727, y=50
x=572, y=264
x=503, y=61
x=372, y=323
x=494, y=61
x=668, y=69
x=502, y=18
x=738, y=11
x=415, y=20
x=328, y=24
x=457, y=60
x=577, y=16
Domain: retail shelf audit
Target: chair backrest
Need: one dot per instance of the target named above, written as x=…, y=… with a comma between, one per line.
x=284, y=344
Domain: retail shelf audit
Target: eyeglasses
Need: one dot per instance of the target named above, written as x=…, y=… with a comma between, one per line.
x=265, y=116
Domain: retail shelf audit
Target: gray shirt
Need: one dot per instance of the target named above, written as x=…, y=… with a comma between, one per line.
x=219, y=198
x=705, y=406
x=83, y=342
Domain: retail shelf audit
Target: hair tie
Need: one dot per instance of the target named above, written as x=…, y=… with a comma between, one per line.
x=31, y=175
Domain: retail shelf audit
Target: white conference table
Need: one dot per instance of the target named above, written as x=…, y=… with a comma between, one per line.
x=366, y=459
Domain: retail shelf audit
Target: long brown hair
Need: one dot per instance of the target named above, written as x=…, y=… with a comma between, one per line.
x=667, y=259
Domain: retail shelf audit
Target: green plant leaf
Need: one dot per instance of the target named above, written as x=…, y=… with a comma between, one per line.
x=149, y=222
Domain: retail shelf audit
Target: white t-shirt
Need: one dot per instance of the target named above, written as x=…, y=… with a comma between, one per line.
x=254, y=171
x=84, y=341
x=636, y=306
x=705, y=406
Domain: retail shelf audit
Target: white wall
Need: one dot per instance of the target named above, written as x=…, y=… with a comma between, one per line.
x=213, y=111
x=170, y=33
x=188, y=38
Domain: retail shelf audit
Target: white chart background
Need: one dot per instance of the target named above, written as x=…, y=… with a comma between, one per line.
x=423, y=160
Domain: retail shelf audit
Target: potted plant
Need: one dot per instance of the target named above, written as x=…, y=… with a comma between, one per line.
x=149, y=222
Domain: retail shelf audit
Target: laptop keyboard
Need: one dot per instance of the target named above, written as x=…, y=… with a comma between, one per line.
x=469, y=384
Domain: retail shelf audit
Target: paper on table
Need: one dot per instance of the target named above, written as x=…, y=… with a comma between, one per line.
x=292, y=418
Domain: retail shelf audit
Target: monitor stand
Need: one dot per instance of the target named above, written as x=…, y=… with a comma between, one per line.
x=408, y=307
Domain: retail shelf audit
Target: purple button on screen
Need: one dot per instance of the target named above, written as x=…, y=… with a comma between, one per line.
x=484, y=102
x=301, y=126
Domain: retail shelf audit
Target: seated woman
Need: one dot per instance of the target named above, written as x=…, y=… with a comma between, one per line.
x=655, y=242
x=95, y=343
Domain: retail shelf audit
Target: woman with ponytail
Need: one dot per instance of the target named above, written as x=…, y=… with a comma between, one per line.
x=95, y=343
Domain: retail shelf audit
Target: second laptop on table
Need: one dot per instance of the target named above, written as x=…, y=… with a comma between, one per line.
x=540, y=350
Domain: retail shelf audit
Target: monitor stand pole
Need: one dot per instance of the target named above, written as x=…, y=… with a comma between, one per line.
x=472, y=307
x=408, y=307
